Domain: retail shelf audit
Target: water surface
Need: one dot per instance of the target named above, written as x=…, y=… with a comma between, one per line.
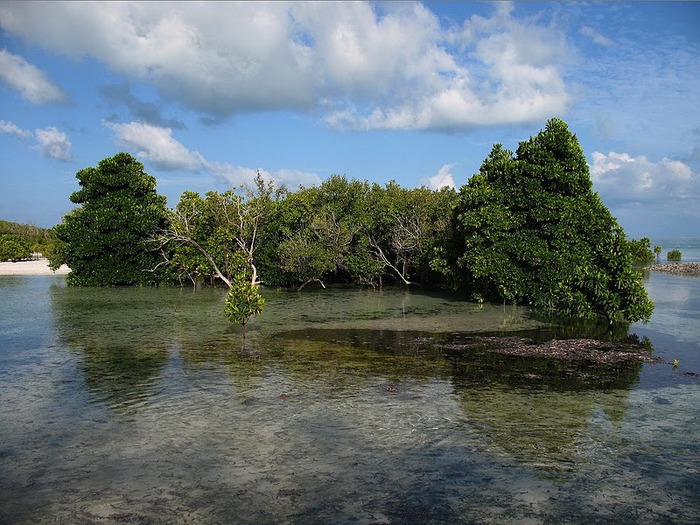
x=142, y=405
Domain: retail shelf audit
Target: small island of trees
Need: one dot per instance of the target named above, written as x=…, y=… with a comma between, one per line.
x=527, y=228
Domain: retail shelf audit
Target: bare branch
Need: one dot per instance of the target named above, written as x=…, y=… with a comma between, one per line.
x=379, y=253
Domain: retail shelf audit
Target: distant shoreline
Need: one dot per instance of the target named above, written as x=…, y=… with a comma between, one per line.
x=41, y=267
x=34, y=267
x=677, y=268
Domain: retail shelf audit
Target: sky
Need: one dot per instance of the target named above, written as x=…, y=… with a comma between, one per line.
x=205, y=94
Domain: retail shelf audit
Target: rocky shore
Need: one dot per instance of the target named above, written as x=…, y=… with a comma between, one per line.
x=678, y=268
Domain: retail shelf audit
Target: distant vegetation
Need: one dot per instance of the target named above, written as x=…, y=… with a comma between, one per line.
x=527, y=229
x=642, y=252
x=673, y=255
x=20, y=241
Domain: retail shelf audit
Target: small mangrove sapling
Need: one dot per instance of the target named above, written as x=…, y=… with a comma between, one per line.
x=243, y=302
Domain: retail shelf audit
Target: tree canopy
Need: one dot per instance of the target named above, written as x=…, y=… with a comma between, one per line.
x=529, y=228
x=13, y=248
x=35, y=238
x=105, y=241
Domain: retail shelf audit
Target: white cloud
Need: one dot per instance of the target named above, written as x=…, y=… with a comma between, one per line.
x=53, y=144
x=157, y=146
x=620, y=177
x=294, y=178
x=364, y=65
x=13, y=129
x=242, y=176
x=30, y=81
x=500, y=71
x=442, y=178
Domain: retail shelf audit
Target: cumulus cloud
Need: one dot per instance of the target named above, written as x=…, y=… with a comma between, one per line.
x=31, y=82
x=121, y=94
x=363, y=65
x=620, y=177
x=157, y=146
x=53, y=144
x=442, y=178
x=242, y=176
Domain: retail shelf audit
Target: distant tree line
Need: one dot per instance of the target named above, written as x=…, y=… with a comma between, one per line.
x=527, y=228
x=21, y=241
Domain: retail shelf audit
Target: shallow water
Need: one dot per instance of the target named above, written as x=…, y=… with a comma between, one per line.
x=342, y=406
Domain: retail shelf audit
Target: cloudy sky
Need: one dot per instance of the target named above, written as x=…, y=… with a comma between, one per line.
x=205, y=94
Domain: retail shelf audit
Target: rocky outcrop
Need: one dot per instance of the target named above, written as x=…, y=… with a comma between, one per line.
x=678, y=268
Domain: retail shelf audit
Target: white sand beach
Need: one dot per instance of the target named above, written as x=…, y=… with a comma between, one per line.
x=38, y=267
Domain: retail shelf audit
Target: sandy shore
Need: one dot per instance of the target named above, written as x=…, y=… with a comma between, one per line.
x=40, y=267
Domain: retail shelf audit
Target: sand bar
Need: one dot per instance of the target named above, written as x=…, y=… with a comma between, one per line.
x=38, y=267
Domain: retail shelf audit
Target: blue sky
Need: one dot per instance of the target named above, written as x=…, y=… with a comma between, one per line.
x=205, y=94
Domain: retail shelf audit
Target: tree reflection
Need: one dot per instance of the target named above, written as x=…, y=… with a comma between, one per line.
x=119, y=338
x=533, y=409
x=537, y=410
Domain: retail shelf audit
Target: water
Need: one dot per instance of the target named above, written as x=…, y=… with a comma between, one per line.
x=689, y=247
x=342, y=406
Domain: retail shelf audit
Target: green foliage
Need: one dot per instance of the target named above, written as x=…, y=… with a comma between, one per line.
x=243, y=301
x=38, y=239
x=528, y=228
x=218, y=236
x=305, y=257
x=105, y=241
x=351, y=231
x=641, y=250
x=13, y=248
x=674, y=255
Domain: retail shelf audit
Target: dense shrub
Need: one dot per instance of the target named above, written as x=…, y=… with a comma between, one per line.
x=530, y=229
x=674, y=255
x=105, y=240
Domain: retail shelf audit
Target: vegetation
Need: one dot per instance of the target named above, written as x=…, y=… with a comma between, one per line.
x=527, y=228
x=674, y=255
x=105, y=240
x=13, y=248
x=243, y=302
x=641, y=250
x=35, y=238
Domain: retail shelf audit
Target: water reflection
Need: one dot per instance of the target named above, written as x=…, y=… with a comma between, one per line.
x=117, y=339
x=125, y=339
x=532, y=409
x=340, y=407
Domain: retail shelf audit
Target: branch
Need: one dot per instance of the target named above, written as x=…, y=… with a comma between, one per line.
x=170, y=236
x=383, y=258
x=313, y=279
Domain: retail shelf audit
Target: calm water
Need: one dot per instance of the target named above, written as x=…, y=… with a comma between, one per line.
x=689, y=247
x=145, y=406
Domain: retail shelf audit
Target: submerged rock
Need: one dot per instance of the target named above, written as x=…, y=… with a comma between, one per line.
x=582, y=349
